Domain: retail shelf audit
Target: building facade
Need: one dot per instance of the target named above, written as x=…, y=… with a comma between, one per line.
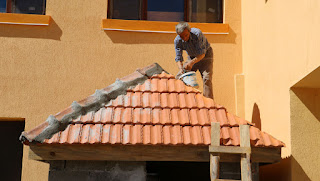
x=264, y=53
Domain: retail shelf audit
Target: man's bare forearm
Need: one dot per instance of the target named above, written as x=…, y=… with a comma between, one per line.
x=198, y=58
x=189, y=65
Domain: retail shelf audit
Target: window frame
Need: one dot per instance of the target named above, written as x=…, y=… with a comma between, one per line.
x=9, y=7
x=144, y=7
x=146, y=26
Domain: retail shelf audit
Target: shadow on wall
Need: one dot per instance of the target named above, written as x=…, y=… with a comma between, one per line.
x=282, y=171
x=305, y=118
x=279, y=171
x=126, y=37
x=304, y=95
x=256, y=119
x=52, y=31
x=298, y=170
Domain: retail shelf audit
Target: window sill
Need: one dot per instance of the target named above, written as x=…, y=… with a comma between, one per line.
x=24, y=19
x=160, y=27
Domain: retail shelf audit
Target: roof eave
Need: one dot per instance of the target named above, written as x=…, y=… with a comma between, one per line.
x=197, y=153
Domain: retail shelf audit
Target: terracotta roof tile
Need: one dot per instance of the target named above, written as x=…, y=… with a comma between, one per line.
x=146, y=132
x=74, y=132
x=206, y=135
x=152, y=135
x=84, y=136
x=126, y=134
x=175, y=134
x=159, y=111
x=105, y=137
x=146, y=99
x=116, y=133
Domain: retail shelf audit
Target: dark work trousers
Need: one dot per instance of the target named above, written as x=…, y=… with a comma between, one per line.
x=205, y=67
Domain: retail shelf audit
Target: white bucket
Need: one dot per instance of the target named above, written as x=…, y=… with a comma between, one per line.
x=190, y=79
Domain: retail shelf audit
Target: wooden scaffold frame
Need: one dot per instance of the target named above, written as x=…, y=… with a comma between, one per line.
x=244, y=150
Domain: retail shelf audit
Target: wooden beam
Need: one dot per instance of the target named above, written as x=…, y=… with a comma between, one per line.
x=246, y=174
x=106, y=152
x=260, y=155
x=266, y=155
x=118, y=152
x=214, y=167
x=244, y=136
x=215, y=134
x=215, y=158
x=229, y=149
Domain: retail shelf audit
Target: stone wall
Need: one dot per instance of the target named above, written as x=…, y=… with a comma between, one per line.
x=96, y=171
x=141, y=171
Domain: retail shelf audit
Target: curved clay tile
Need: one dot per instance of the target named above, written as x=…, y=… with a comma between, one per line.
x=146, y=109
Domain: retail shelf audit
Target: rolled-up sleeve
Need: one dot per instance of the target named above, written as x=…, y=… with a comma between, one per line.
x=178, y=49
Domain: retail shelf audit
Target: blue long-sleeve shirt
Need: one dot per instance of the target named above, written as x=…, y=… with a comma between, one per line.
x=196, y=45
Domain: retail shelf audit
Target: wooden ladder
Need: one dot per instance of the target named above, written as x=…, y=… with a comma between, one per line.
x=244, y=150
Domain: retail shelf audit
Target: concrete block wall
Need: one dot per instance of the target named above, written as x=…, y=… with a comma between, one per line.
x=97, y=171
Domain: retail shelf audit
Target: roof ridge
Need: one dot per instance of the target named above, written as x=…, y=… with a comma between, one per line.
x=167, y=124
x=159, y=107
x=94, y=102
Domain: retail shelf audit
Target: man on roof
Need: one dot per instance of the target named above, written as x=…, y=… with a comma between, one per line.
x=200, y=54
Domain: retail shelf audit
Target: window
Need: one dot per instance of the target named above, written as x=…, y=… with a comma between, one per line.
x=201, y=11
x=23, y=6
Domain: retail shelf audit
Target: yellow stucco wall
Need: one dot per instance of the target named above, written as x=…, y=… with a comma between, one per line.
x=305, y=131
x=43, y=69
x=280, y=47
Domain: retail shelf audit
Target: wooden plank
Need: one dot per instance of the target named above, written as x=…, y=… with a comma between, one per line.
x=214, y=166
x=246, y=174
x=246, y=167
x=215, y=134
x=244, y=136
x=266, y=155
x=119, y=152
x=255, y=171
x=229, y=149
x=215, y=142
x=105, y=152
x=261, y=155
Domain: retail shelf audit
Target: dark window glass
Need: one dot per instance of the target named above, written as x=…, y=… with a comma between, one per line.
x=165, y=10
x=3, y=6
x=202, y=11
x=206, y=11
x=28, y=6
x=125, y=9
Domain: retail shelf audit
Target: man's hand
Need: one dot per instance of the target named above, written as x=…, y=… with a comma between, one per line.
x=188, y=65
x=180, y=66
x=179, y=73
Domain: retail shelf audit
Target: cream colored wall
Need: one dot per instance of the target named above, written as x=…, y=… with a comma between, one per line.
x=44, y=69
x=280, y=47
